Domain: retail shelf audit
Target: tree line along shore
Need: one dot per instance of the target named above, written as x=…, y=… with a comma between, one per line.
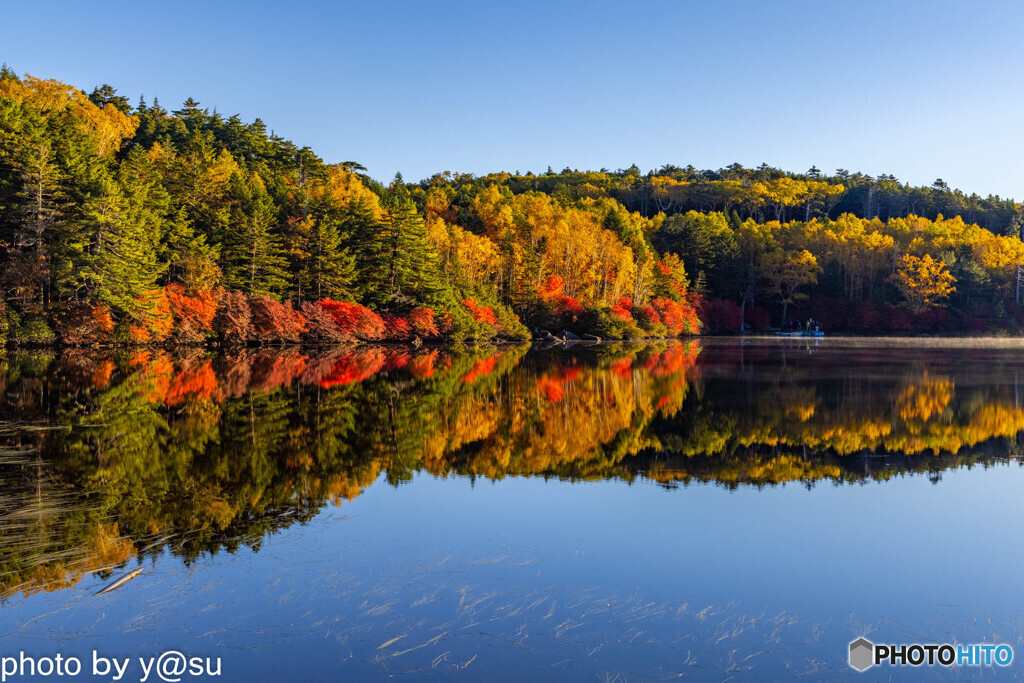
x=128, y=224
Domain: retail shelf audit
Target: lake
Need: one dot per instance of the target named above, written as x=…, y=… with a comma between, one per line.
x=714, y=509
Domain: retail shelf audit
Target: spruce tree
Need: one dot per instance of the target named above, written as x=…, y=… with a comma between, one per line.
x=413, y=267
x=362, y=233
x=253, y=257
x=123, y=268
x=330, y=268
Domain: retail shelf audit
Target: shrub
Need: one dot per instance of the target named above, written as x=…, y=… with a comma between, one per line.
x=193, y=315
x=396, y=327
x=510, y=324
x=678, y=316
x=320, y=326
x=81, y=323
x=720, y=316
x=355, y=320
x=424, y=321
x=623, y=309
x=233, y=320
x=33, y=329
x=483, y=314
x=275, y=321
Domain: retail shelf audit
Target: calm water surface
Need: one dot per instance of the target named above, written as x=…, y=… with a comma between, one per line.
x=714, y=510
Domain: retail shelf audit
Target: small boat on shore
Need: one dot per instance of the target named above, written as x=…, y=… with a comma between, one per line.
x=811, y=328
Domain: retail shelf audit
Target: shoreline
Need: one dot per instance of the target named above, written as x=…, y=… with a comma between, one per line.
x=545, y=344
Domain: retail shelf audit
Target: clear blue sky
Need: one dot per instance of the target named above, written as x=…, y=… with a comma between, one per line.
x=918, y=89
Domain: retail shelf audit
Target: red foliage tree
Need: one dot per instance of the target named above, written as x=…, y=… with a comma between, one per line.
x=678, y=316
x=233, y=320
x=396, y=327
x=273, y=321
x=568, y=306
x=355, y=320
x=623, y=309
x=320, y=326
x=649, y=315
x=720, y=316
x=552, y=289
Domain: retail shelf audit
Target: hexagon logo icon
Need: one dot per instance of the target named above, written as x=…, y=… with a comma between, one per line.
x=862, y=654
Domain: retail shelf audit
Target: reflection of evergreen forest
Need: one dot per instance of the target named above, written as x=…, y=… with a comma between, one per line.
x=105, y=458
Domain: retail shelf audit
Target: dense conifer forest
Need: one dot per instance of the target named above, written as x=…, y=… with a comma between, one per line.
x=129, y=223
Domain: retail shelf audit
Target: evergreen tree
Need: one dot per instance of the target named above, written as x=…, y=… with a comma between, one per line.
x=362, y=235
x=122, y=268
x=329, y=268
x=413, y=267
x=252, y=253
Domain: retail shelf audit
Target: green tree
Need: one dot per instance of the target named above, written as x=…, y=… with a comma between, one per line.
x=254, y=259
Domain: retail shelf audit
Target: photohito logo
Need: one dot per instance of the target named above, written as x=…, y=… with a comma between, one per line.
x=865, y=654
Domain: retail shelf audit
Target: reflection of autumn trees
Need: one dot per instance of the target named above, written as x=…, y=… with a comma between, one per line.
x=200, y=453
x=917, y=413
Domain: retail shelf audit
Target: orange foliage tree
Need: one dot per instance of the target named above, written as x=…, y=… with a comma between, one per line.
x=193, y=315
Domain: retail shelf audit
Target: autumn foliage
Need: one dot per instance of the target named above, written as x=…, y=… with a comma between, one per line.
x=678, y=317
x=424, y=321
x=233, y=320
x=623, y=309
x=155, y=321
x=396, y=327
x=320, y=326
x=483, y=314
x=355, y=320
x=80, y=323
x=275, y=321
x=193, y=315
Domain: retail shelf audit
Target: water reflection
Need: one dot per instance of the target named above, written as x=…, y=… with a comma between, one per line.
x=109, y=457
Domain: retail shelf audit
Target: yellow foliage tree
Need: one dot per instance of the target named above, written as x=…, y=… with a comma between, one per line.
x=787, y=272
x=923, y=281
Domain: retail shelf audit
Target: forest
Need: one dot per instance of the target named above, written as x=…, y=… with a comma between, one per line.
x=130, y=224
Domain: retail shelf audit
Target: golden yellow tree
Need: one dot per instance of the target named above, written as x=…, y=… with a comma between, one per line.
x=923, y=281
x=786, y=272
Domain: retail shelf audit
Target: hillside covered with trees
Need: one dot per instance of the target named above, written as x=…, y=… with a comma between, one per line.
x=129, y=223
